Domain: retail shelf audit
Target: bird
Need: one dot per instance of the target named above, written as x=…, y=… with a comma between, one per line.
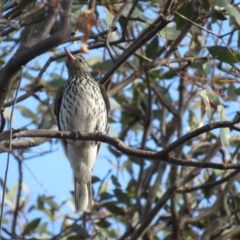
x=81, y=105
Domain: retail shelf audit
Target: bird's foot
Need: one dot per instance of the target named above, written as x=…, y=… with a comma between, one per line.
x=99, y=133
x=76, y=133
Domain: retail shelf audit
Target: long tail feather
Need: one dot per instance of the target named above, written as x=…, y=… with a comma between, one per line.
x=83, y=196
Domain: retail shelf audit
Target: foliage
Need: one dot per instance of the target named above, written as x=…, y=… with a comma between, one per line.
x=170, y=67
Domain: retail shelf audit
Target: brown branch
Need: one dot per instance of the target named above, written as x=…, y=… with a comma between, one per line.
x=10, y=70
x=146, y=35
x=118, y=144
x=201, y=130
x=230, y=234
x=19, y=191
x=146, y=125
x=46, y=26
x=24, y=96
x=184, y=31
x=25, y=143
x=146, y=221
x=149, y=65
x=2, y=121
x=210, y=184
x=114, y=21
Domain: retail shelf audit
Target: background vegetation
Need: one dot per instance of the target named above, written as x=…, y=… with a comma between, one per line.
x=172, y=74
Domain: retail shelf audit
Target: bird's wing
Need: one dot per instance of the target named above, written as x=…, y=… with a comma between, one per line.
x=57, y=105
x=105, y=97
x=107, y=103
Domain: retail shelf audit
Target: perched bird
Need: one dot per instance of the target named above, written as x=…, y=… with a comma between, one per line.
x=81, y=105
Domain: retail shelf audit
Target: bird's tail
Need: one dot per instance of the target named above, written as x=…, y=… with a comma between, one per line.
x=83, y=196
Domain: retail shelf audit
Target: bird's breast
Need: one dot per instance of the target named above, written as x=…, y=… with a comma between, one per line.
x=82, y=107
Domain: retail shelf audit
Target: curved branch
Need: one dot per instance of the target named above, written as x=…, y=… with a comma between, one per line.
x=24, y=96
x=119, y=145
x=46, y=26
x=209, y=184
x=10, y=70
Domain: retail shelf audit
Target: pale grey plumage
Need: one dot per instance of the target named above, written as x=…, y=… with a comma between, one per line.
x=81, y=104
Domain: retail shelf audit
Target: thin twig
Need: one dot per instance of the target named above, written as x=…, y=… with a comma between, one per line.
x=16, y=210
x=8, y=156
x=115, y=19
x=24, y=96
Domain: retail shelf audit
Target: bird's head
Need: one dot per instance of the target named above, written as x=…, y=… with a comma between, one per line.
x=75, y=63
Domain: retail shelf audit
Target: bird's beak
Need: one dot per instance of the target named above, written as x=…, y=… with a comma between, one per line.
x=69, y=55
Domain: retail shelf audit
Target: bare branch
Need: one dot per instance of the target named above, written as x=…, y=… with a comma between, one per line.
x=10, y=70
x=24, y=96
x=46, y=26
x=146, y=35
x=118, y=144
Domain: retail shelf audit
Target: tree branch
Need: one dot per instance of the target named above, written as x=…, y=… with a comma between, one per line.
x=119, y=145
x=46, y=26
x=10, y=70
x=24, y=96
x=146, y=35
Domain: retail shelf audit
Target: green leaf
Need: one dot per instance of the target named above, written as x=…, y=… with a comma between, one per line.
x=28, y=228
x=115, y=181
x=1, y=62
x=224, y=132
x=208, y=191
x=42, y=228
x=108, y=18
x=52, y=204
x=57, y=82
x=113, y=208
x=168, y=75
x=170, y=33
x=128, y=166
x=218, y=15
x=155, y=73
x=104, y=187
x=101, y=66
x=212, y=97
x=237, y=91
x=204, y=95
x=193, y=121
x=95, y=179
x=223, y=54
x=225, y=136
x=137, y=96
x=205, y=5
x=103, y=223
x=26, y=112
x=233, y=92
x=136, y=13
x=36, y=66
x=121, y=196
x=105, y=195
x=186, y=11
x=230, y=8
x=81, y=232
x=152, y=47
